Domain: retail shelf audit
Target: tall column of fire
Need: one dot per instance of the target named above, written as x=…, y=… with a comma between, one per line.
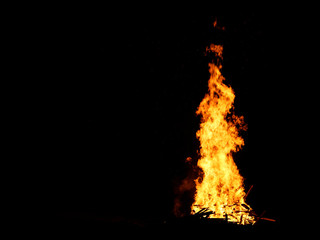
x=220, y=188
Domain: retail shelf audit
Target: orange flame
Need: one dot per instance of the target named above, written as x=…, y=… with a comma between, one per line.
x=221, y=187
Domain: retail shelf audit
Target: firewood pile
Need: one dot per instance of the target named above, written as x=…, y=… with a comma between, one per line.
x=238, y=213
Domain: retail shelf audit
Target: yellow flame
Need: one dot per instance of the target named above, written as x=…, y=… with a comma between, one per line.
x=221, y=187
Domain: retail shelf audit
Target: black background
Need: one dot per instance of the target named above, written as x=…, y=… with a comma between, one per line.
x=116, y=101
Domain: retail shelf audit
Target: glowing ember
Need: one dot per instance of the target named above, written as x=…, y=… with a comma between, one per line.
x=220, y=189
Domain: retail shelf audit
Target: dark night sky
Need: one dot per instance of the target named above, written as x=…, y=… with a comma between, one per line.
x=119, y=96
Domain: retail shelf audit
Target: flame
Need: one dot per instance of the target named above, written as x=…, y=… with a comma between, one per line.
x=221, y=187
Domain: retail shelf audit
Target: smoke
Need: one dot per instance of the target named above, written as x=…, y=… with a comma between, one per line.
x=184, y=197
x=185, y=190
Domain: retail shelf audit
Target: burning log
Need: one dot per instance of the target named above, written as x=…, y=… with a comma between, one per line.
x=245, y=206
x=204, y=213
x=268, y=219
x=261, y=215
x=245, y=197
x=263, y=218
